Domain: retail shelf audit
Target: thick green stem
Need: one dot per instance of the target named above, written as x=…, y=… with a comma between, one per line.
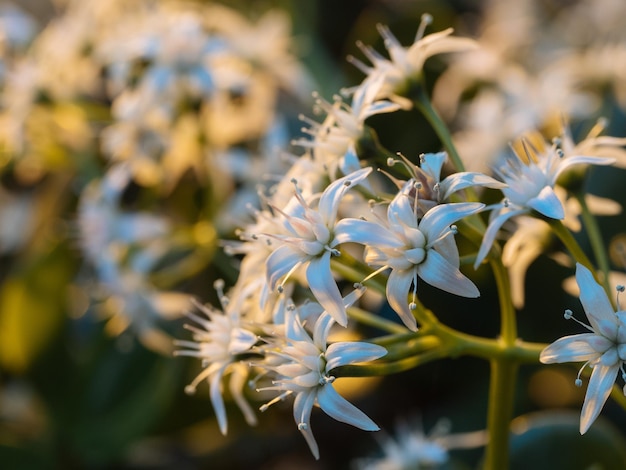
x=596, y=241
x=500, y=413
x=508, y=321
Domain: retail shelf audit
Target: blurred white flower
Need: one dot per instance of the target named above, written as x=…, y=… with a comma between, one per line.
x=603, y=348
x=220, y=342
x=407, y=63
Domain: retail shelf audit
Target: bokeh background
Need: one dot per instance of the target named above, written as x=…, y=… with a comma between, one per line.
x=74, y=394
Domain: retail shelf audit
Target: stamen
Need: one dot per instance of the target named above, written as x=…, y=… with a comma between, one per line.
x=619, y=288
x=303, y=426
x=452, y=230
x=426, y=20
x=569, y=315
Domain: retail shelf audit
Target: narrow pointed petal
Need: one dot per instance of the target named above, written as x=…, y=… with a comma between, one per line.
x=491, y=232
x=280, y=262
x=217, y=401
x=600, y=385
x=547, y=203
x=238, y=380
x=437, y=272
x=582, y=159
x=365, y=233
x=432, y=163
x=330, y=198
x=325, y=288
x=322, y=327
x=302, y=406
x=398, y=286
x=337, y=407
x=596, y=303
x=340, y=354
x=573, y=348
x=459, y=181
x=379, y=107
x=440, y=217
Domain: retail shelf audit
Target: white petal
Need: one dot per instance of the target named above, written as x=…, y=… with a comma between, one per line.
x=578, y=159
x=280, y=262
x=491, y=232
x=437, y=272
x=596, y=303
x=325, y=289
x=440, y=217
x=337, y=407
x=573, y=348
x=238, y=380
x=458, y=181
x=365, y=233
x=600, y=384
x=330, y=198
x=340, y=354
x=547, y=203
x=302, y=406
x=216, y=399
x=432, y=163
x=398, y=286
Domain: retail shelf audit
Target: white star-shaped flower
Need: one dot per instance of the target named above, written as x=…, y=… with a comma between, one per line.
x=303, y=364
x=312, y=239
x=413, y=248
x=530, y=180
x=603, y=348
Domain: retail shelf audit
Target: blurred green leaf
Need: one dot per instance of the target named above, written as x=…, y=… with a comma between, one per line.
x=550, y=440
x=123, y=398
x=33, y=307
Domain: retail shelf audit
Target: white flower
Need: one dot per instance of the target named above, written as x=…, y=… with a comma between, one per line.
x=433, y=190
x=304, y=366
x=530, y=180
x=603, y=348
x=413, y=248
x=219, y=342
x=312, y=240
x=335, y=139
x=408, y=62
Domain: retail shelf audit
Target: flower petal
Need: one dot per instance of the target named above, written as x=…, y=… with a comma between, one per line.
x=340, y=354
x=436, y=271
x=600, y=385
x=596, y=303
x=432, y=163
x=466, y=179
x=302, y=406
x=398, y=286
x=492, y=231
x=215, y=385
x=280, y=262
x=578, y=159
x=238, y=380
x=439, y=218
x=547, y=203
x=330, y=198
x=337, y=407
x=325, y=289
x=573, y=348
x=365, y=233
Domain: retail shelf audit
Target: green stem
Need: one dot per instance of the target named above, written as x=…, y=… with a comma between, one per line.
x=595, y=239
x=508, y=321
x=500, y=413
x=366, y=318
x=422, y=103
x=570, y=243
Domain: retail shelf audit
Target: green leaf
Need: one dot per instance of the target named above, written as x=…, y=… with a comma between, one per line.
x=33, y=304
x=550, y=440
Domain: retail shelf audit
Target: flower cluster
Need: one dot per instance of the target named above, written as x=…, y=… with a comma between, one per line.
x=151, y=148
